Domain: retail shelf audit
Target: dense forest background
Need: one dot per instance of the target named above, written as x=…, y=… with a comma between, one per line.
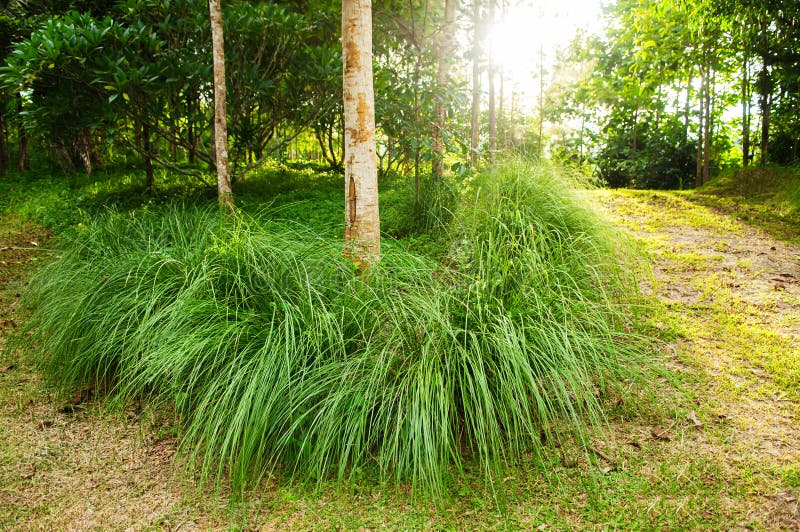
x=669, y=94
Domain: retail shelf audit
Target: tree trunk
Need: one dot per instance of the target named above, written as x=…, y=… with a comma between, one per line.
x=147, y=144
x=492, y=98
x=765, y=103
x=501, y=117
x=442, y=72
x=3, y=144
x=82, y=147
x=687, y=108
x=362, y=224
x=745, y=113
x=23, y=160
x=708, y=129
x=476, y=82
x=698, y=179
x=540, y=145
x=220, y=119
x=193, y=132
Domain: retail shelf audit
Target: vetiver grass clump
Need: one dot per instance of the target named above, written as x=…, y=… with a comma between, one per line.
x=275, y=356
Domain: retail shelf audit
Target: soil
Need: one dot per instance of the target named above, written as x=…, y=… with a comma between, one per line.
x=744, y=270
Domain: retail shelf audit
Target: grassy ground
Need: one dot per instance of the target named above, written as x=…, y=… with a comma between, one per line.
x=721, y=453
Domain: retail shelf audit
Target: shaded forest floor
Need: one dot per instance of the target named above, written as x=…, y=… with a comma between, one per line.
x=719, y=450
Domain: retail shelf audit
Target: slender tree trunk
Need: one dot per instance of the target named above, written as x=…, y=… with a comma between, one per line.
x=687, y=108
x=502, y=119
x=442, y=72
x=708, y=127
x=3, y=144
x=82, y=147
x=476, y=82
x=192, y=136
x=220, y=119
x=23, y=160
x=492, y=95
x=745, y=112
x=698, y=180
x=147, y=146
x=362, y=223
x=765, y=102
x=540, y=145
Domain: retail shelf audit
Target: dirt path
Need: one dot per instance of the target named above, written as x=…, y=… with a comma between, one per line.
x=732, y=296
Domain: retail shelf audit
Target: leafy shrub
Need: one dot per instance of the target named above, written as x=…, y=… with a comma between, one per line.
x=274, y=355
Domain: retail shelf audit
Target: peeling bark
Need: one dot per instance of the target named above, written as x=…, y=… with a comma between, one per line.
x=362, y=224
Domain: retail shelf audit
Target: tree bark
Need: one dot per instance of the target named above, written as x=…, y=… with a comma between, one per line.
x=708, y=130
x=492, y=96
x=220, y=119
x=82, y=146
x=765, y=103
x=745, y=113
x=23, y=160
x=3, y=144
x=540, y=144
x=443, y=70
x=147, y=144
x=698, y=179
x=476, y=83
x=687, y=108
x=362, y=223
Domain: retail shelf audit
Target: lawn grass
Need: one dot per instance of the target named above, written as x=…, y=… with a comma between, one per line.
x=768, y=197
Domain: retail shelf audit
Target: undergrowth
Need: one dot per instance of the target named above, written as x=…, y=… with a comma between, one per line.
x=275, y=356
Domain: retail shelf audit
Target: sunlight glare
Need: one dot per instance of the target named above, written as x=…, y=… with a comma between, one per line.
x=549, y=24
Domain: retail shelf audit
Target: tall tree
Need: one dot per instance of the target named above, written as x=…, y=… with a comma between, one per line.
x=492, y=96
x=220, y=119
x=362, y=223
x=476, y=81
x=442, y=73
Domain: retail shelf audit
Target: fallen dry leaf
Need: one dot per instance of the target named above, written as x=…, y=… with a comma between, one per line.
x=692, y=416
x=29, y=474
x=659, y=434
x=45, y=424
x=602, y=455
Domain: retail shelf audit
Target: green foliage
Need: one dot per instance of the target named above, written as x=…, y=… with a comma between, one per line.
x=648, y=157
x=274, y=355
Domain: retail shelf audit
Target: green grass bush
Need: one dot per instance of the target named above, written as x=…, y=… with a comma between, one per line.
x=274, y=355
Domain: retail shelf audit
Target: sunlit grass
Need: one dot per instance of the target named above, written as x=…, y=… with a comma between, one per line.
x=275, y=356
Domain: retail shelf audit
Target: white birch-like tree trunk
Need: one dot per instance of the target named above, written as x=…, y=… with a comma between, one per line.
x=220, y=119
x=362, y=233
